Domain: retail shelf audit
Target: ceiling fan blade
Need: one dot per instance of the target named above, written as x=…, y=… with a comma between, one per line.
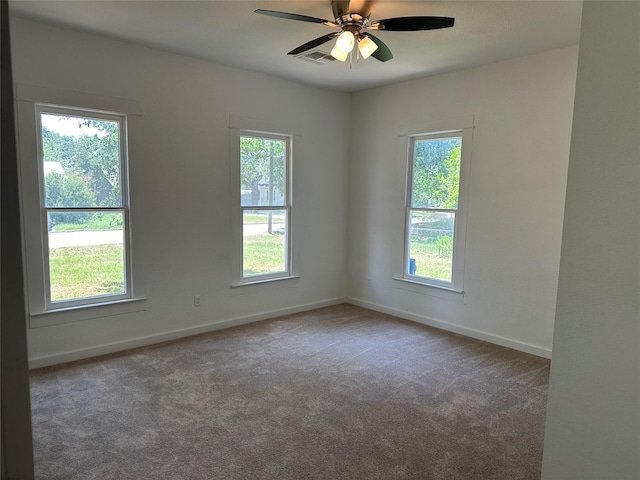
x=295, y=16
x=412, y=24
x=382, y=53
x=313, y=43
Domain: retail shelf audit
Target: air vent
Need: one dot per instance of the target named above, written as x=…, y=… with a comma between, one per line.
x=316, y=56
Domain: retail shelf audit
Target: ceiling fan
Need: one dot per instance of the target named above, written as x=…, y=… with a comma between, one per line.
x=352, y=17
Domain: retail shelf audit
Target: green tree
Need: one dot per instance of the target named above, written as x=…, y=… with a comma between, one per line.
x=67, y=190
x=57, y=147
x=95, y=158
x=98, y=161
x=436, y=173
x=261, y=159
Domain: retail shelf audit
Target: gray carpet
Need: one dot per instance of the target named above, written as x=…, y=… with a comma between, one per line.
x=336, y=393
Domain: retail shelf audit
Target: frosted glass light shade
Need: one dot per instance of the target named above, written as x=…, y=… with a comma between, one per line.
x=346, y=41
x=367, y=47
x=339, y=54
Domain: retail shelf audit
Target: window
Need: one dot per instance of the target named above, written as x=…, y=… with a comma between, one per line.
x=435, y=208
x=265, y=206
x=74, y=150
x=84, y=206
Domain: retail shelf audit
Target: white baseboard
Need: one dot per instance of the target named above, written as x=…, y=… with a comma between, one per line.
x=450, y=327
x=80, y=354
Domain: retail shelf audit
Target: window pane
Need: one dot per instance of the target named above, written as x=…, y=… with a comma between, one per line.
x=81, y=161
x=436, y=173
x=431, y=245
x=262, y=171
x=264, y=242
x=86, y=254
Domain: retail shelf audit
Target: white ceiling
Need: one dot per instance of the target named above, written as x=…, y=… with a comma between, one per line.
x=229, y=33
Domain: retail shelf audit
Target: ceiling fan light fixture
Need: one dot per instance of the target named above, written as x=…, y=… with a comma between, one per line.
x=339, y=54
x=346, y=41
x=367, y=47
x=351, y=18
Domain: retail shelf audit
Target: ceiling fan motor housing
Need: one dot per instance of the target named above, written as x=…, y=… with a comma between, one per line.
x=352, y=21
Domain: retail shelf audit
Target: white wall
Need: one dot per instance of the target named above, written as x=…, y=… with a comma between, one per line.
x=522, y=110
x=182, y=235
x=593, y=416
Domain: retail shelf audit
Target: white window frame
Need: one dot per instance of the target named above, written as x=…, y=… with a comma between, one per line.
x=280, y=127
x=459, y=239
x=121, y=119
x=30, y=100
x=287, y=273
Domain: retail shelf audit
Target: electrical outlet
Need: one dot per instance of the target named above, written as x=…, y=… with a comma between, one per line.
x=196, y=300
x=369, y=281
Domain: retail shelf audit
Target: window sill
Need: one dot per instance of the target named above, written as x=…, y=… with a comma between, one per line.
x=266, y=280
x=429, y=289
x=257, y=285
x=87, y=312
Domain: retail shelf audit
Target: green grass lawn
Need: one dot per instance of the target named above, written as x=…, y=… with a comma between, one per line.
x=263, y=254
x=96, y=221
x=249, y=218
x=79, y=272
x=429, y=263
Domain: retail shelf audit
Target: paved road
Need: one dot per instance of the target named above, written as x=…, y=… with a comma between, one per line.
x=258, y=228
x=103, y=237
x=84, y=237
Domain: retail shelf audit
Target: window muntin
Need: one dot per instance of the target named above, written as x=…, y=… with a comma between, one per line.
x=84, y=206
x=265, y=205
x=432, y=208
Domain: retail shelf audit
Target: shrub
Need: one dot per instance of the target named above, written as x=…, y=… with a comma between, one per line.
x=444, y=244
